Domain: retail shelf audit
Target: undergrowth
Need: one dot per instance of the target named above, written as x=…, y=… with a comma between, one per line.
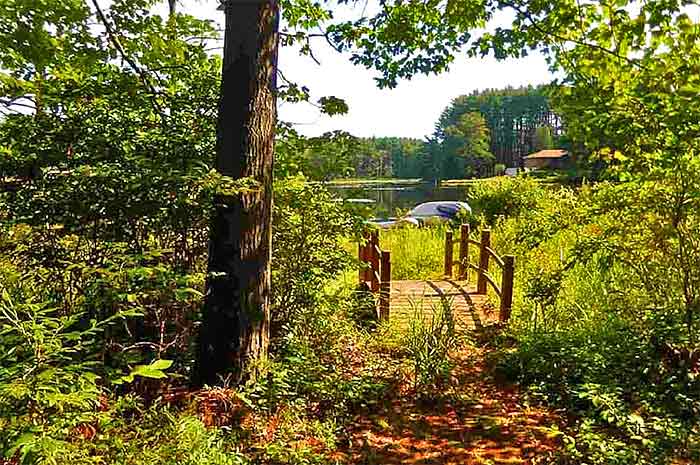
x=588, y=334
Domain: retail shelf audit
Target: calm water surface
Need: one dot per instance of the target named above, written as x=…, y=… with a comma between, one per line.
x=386, y=200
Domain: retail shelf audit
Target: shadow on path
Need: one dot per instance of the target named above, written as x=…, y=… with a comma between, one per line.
x=476, y=317
x=475, y=421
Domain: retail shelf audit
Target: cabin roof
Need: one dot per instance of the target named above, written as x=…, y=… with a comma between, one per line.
x=552, y=153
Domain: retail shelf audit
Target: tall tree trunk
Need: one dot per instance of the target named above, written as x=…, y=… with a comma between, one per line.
x=235, y=326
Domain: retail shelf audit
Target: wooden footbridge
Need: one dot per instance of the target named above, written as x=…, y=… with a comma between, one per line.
x=400, y=300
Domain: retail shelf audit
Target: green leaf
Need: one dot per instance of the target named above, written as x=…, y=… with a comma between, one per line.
x=161, y=365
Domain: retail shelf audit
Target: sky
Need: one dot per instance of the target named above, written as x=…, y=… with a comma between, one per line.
x=409, y=110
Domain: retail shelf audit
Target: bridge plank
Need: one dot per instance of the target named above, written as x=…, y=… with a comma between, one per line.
x=410, y=297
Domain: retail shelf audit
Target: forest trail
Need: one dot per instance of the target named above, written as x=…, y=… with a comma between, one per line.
x=473, y=420
x=477, y=421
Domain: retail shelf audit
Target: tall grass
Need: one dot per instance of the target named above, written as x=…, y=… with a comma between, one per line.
x=429, y=342
x=416, y=253
x=419, y=254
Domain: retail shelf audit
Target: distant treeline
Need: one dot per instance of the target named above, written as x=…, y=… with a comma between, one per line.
x=340, y=155
x=396, y=157
x=476, y=135
x=519, y=122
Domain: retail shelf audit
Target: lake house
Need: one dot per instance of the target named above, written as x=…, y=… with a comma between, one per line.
x=556, y=159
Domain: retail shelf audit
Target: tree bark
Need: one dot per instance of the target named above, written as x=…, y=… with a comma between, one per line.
x=235, y=316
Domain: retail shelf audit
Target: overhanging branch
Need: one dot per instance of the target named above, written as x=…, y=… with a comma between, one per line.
x=143, y=75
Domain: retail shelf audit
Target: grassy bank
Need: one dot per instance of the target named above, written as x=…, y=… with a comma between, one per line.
x=465, y=182
x=545, y=176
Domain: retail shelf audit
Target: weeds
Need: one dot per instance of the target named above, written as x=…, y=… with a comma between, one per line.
x=587, y=328
x=416, y=253
x=429, y=341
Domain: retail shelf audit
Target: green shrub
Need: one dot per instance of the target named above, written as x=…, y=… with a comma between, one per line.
x=362, y=309
x=131, y=434
x=49, y=372
x=599, y=326
x=309, y=227
x=428, y=342
x=611, y=375
x=505, y=196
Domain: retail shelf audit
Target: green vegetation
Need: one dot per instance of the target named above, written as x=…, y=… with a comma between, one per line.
x=471, y=136
x=391, y=156
x=340, y=155
x=429, y=342
x=587, y=334
x=607, y=339
x=411, y=262
x=519, y=121
x=129, y=253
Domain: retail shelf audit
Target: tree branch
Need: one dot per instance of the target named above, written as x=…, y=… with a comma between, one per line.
x=134, y=66
x=538, y=27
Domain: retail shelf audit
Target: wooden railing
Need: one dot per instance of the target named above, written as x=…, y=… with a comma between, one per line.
x=376, y=272
x=484, y=277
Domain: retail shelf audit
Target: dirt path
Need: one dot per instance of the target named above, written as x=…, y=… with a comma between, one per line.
x=477, y=422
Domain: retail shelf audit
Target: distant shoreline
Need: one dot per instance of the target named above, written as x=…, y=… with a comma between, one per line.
x=359, y=182
x=388, y=182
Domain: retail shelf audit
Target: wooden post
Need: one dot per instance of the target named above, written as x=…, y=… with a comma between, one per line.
x=464, y=252
x=483, y=261
x=374, y=260
x=507, y=287
x=385, y=291
x=448, y=253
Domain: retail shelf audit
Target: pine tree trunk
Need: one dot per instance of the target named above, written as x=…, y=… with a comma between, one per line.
x=235, y=326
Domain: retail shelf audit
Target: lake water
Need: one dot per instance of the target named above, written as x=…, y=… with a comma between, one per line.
x=387, y=199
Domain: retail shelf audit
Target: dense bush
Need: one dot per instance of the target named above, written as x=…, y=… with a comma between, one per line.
x=505, y=196
x=598, y=323
x=308, y=224
x=48, y=380
x=619, y=383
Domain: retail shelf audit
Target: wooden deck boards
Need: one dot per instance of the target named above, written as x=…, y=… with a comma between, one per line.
x=409, y=297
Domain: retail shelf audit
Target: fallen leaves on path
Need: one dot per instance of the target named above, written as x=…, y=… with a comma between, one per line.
x=476, y=421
